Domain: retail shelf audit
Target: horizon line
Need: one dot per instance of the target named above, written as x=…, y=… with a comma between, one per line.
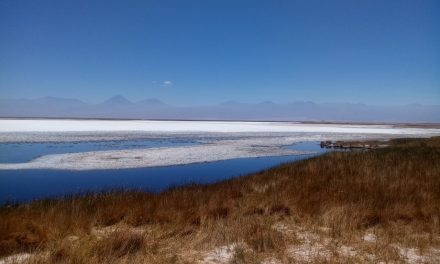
x=212, y=104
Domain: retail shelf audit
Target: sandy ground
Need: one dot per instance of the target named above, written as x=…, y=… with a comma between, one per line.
x=311, y=245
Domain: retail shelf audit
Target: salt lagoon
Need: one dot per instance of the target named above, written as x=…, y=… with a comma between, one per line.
x=217, y=140
x=42, y=158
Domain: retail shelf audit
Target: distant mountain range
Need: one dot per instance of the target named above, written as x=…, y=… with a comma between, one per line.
x=120, y=107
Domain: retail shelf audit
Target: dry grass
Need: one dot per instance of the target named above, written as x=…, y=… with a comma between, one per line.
x=393, y=193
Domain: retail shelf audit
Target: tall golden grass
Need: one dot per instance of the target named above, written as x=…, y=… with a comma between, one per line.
x=395, y=189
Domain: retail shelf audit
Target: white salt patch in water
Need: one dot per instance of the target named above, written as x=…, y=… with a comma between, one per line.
x=136, y=158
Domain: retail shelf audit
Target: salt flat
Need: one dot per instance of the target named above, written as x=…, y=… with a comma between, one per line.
x=73, y=125
x=218, y=140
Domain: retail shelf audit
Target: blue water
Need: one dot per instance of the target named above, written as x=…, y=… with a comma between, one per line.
x=23, y=152
x=26, y=185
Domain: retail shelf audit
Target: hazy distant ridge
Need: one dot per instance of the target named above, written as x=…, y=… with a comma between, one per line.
x=120, y=107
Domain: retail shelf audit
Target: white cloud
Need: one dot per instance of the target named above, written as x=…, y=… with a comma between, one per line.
x=166, y=84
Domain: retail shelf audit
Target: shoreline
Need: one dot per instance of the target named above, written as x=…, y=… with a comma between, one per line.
x=12, y=200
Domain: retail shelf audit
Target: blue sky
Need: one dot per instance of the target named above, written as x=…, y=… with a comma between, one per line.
x=206, y=52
